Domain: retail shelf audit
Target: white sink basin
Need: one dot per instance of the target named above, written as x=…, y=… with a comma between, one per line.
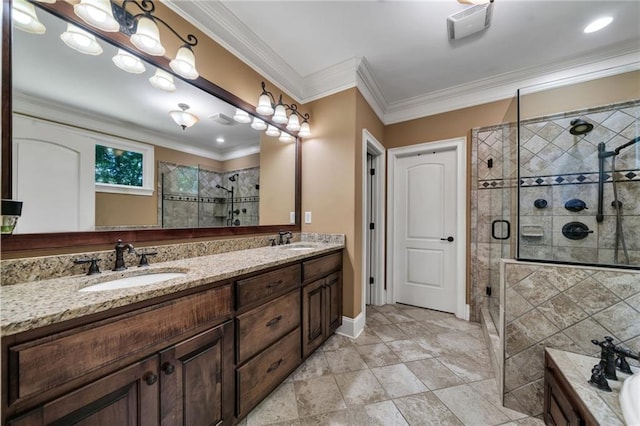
x=135, y=281
x=630, y=400
x=297, y=247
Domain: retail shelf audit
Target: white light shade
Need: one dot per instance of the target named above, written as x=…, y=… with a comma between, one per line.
x=598, y=24
x=242, y=116
x=258, y=124
x=24, y=17
x=162, y=80
x=97, y=13
x=305, y=130
x=264, y=105
x=272, y=131
x=183, y=118
x=80, y=40
x=280, y=116
x=128, y=62
x=184, y=64
x=294, y=123
x=147, y=37
x=286, y=138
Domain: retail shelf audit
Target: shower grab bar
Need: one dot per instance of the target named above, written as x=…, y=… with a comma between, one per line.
x=493, y=229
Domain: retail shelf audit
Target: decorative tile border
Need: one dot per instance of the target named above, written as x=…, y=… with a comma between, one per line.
x=579, y=178
x=214, y=200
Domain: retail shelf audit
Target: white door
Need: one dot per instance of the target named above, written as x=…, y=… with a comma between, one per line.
x=53, y=175
x=425, y=222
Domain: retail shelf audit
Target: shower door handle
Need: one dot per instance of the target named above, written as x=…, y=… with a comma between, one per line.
x=450, y=239
x=493, y=229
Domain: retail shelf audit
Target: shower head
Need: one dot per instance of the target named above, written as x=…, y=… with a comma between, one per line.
x=233, y=177
x=580, y=127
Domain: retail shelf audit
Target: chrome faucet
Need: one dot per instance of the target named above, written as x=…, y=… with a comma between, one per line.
x=120, y=248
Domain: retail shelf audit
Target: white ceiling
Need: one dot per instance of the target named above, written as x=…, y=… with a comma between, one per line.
x=398, y=52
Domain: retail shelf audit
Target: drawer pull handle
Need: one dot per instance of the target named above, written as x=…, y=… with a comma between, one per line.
x=275, y=365
x=274, y=321
x=274, y=284
x=168, y=368
x=150, y=378
x=332, y=282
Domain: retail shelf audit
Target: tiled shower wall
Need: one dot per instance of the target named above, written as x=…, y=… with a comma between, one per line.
x=190, y=197
x=563, y=307
x=557, y=167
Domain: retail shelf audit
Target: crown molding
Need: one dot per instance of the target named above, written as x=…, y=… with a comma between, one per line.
x=331, y=80
x=216, y=21
x=370, y=89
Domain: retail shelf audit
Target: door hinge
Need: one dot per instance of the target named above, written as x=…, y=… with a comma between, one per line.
x=371, y=225
x=488, y=291
x=370, y=280
x=372, y=172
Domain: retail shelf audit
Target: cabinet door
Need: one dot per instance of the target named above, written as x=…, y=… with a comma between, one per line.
x=313, y=312
x=196, y=379
x=333, y=306
x=127, y=397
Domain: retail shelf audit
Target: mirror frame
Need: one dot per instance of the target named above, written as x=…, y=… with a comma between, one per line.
x=66, y=240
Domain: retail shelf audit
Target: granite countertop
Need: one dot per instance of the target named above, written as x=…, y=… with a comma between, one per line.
x=36, y=304
x=576, y=368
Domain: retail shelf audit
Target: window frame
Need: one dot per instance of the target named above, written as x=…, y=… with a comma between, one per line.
x=148, y=162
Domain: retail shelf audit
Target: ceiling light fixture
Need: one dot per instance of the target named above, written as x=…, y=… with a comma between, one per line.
x=220, y=140
x=598, y=24
x=162, y=80
x=183, y=118
x=267, y=106
x=24, y=17
x=128, y=62
x=142, y=28
x=81, y=40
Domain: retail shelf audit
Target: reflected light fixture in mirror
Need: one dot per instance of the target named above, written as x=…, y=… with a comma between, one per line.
x=162, y=80
x=258, y=124
x=129, y=63
x=25, y=18
x=80, y=40
x=182, y=117
x=272, y=131
x=97, y=13
x=241, y=116
x=268, y=106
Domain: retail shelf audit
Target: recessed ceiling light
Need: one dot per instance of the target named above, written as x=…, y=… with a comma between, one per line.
x=220, y=140
x=598, y=24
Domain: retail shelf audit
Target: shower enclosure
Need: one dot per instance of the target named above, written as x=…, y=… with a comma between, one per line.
x=195, y=196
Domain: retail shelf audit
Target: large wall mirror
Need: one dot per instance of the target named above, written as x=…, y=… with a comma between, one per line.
x=96, y=155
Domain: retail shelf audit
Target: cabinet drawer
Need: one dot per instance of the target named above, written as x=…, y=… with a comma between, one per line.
x=262, y=286
x=262, y=326
x=316, y=268
x=54, y=360
x=263, y=373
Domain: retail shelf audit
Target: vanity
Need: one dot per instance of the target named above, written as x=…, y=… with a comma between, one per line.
x=203, y=348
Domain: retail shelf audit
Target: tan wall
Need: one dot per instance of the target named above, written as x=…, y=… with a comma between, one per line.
x=328, y=187
x=246, y=162
x=277, y=182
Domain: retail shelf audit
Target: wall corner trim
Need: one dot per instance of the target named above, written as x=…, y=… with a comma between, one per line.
x=352, y=327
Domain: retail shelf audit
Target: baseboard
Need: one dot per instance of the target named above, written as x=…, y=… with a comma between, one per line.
x=352, y=327
x=466, y=315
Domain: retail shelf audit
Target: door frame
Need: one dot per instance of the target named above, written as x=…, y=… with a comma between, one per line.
x=370, y=145
x=459, y=145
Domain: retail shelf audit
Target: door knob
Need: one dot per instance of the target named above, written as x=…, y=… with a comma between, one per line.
x=450, y=239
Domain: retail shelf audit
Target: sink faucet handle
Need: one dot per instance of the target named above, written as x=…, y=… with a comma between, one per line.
x=144, y=261
x=273, y=241
x=93, y=267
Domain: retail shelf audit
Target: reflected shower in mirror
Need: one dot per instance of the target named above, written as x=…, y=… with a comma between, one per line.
x=109, y=142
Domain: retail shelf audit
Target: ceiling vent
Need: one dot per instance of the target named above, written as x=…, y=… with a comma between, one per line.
x=469, y=21
x=220, y=118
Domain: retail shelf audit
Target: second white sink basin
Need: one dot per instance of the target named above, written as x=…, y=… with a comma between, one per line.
x=297, y=247
x=135, y=281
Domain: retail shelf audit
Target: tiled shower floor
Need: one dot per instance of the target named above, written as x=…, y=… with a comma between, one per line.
x=410, y=366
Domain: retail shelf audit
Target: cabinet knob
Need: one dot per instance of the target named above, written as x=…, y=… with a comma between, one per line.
x=275, y=365
x=150, y=378
x=168, y=368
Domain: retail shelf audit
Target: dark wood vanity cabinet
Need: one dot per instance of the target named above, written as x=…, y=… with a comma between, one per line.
x=321, y=300
x=561, y=405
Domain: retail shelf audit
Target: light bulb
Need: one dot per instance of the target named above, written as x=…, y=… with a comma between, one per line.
x=185, y=63
x=294, y=123
x=264, y=105
x=305, y=130
x=280, y=115
x=147, y=37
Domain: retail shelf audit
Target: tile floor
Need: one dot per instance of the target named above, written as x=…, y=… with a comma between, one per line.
x=410, y=366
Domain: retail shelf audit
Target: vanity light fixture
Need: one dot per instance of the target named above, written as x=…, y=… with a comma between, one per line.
x=128, y=62
x=81, y=40
x=268, y=106
x=258, y=124
x=241, y=116
x=162, y=80
x=142, y=28
x=286, y=138
x=182, y=117
x=24, y=17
